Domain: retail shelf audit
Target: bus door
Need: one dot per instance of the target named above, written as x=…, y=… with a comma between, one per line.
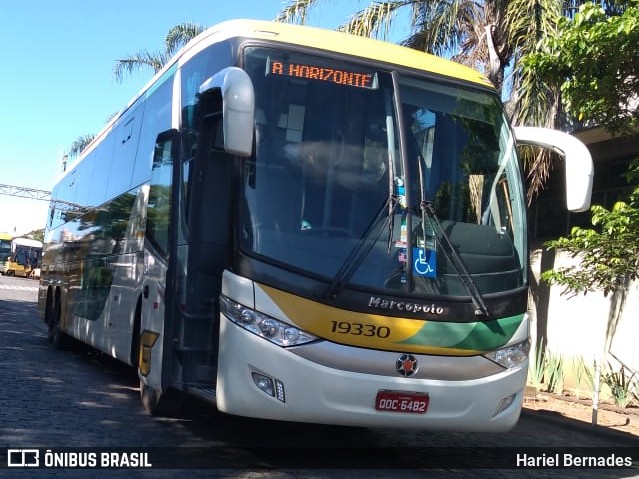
x=209, y=202
x=189, y=225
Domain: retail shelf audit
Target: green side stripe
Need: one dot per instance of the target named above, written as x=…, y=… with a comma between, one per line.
x=480, y=336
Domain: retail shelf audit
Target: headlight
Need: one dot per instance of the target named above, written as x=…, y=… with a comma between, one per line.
x=510, y=356
x=277, y=332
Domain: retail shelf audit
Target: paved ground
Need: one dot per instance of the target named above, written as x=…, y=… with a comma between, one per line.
x=80, y=398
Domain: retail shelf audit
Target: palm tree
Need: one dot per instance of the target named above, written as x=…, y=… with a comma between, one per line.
x=176, y=38
x=474, y=32
x=80, y=144
x=488, y=35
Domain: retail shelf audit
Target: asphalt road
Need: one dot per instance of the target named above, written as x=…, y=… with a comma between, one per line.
x=80, y=398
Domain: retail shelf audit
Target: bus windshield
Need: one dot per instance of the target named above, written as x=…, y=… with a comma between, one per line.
x=381, y=181
x=5, y=248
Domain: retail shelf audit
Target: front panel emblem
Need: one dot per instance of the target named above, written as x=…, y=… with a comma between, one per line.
x=406, y=365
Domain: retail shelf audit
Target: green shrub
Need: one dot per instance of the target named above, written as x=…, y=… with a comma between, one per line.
x=554, y=373
x=620, y=384
x=536, y=367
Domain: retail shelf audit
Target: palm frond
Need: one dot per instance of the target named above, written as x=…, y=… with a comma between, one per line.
x=80, y=144
x=443, y=27
x=374, y=19
x=177, y=37
x=295, y=12
x=180, y=35
x=535, y=103
x=143, y=60
x=531, y=20
x=471, y=24
x=538, y=164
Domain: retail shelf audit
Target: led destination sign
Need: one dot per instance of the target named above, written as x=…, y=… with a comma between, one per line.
x=338, y=76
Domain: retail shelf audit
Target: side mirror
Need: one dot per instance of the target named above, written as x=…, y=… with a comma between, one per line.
x=238, y=108
x=578, y=162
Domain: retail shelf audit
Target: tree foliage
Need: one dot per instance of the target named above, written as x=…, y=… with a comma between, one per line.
x=36, y=234
x=79, y=144
x=608, y=252
x=594, y=61
x=488, y=35
x=177, y=37
x=474, y=33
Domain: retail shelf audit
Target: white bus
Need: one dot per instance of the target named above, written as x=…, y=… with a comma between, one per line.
x=301, y=225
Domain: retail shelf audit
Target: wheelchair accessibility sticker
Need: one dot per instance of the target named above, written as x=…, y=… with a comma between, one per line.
x=425, y=262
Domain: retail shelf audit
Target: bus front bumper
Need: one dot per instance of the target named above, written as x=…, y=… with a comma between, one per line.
x=315, y=393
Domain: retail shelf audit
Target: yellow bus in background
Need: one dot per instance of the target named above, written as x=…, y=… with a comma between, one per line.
x=5, y=250
x=25, y=258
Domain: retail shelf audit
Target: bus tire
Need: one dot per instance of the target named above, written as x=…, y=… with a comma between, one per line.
x=48, y=316
x=168, y=403
x=55, y=335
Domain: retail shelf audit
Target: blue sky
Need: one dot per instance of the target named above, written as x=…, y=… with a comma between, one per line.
x=57, y=82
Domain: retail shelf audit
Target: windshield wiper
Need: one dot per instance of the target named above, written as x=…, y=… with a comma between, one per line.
x=428, y=214
x=364, y=246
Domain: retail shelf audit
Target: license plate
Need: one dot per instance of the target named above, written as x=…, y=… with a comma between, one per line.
x=401, y=401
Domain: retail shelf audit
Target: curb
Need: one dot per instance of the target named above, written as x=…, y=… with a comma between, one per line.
x=557, y=419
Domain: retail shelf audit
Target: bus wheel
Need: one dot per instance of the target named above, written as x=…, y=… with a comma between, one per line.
x=48, y=317
x=168, y=403
x=55, y=335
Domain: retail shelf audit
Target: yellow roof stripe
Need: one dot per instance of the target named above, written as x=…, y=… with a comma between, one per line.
x=347, y=44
